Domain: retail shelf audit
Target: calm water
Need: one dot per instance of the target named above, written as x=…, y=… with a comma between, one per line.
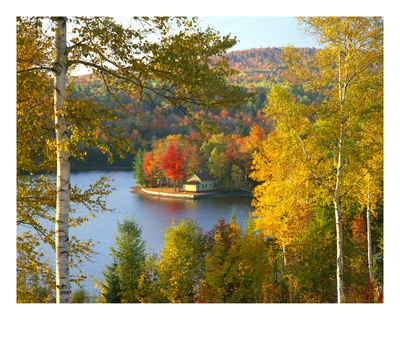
x=152, y=213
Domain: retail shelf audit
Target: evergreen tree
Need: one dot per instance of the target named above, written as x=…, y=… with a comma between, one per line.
x=122, y=278
x=112, y=285
x=137, y=168
x=125, y=58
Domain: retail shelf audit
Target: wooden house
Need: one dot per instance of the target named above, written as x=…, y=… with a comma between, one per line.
x=200, y=182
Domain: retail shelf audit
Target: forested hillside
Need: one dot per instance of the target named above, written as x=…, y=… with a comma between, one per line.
x=144, y=122
x=262, y=68
x=302, y=129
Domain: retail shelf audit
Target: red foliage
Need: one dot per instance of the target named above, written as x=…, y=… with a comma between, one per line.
x=246, y=120
x=172, y=162
x=147, y=166
x=224, y=114
x=195, y=138
x=359, y=231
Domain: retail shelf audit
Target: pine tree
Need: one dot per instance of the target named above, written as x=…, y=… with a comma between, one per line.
x=124, y=58
x=137, y=168
x=129, y=257
x=112, y=285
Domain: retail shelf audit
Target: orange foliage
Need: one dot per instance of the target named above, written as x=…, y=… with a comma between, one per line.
x=359, y=232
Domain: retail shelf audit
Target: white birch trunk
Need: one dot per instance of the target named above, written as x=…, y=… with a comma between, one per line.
x=285, y=261
x=339, y=252
x=338, y=221
x=371, y=273
x=63, y=165
x=337, y=197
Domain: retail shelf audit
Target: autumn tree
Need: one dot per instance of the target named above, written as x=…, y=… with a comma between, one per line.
x=195, y=161
x=173, y=164
x=281, y=200
x=35, y=277
x=313, y=261
x=251, y=144
x=129, y=256
x=218, y=164
x=181, y=262
x=327, y=134
x=237, y=175
x=368, y=193
x=149, y=167
x=124, y=58
x=221, y=277
x=214, y=151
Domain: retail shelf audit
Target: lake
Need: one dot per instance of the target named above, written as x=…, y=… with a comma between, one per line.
x=153, y=214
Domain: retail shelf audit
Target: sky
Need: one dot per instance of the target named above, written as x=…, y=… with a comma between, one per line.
x=254, y=32
x=251, y=32
x=260, y=32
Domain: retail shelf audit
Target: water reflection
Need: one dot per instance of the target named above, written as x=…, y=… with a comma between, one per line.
x=153, y=214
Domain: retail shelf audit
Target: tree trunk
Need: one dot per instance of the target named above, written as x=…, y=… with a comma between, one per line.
x=339, y=251
x=338, y=221
x=63, y=165
x=285, y=261
x=371, y=274
x=342, y=87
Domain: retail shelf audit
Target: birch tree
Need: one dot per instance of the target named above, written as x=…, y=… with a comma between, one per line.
x=36, y=146
x=175, y=52
x=63, y=163
x=326, y=135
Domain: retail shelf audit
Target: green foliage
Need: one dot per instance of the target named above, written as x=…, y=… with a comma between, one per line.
x=129, y=256
x=181, y=262
x=149, y=287
x=237, y=176
x=315, y=271
x=179, y=63
x=156, y=118
x=222, y=279
x=228, y=265
x=80, y=296
x=137, y=168
x=111, y=289
x=35, y=277
x=227, y=157
x=152, y=93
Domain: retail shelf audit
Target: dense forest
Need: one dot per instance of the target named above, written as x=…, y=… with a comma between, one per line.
x=301, y=128
x=293, y=264
x=144, y=122
x=227, y=264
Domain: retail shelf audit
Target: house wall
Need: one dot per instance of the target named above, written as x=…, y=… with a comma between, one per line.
x=194, y=178
x=206, y=185
x=190, y=188
x=202, y=187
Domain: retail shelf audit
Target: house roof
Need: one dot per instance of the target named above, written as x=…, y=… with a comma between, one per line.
x=204, y=176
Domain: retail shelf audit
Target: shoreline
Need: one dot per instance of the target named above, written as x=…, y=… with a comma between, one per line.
x=167, y=193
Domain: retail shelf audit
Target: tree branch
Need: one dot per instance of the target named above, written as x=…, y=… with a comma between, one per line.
x=316, y=177
x=36, y=68
x=355, y=183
